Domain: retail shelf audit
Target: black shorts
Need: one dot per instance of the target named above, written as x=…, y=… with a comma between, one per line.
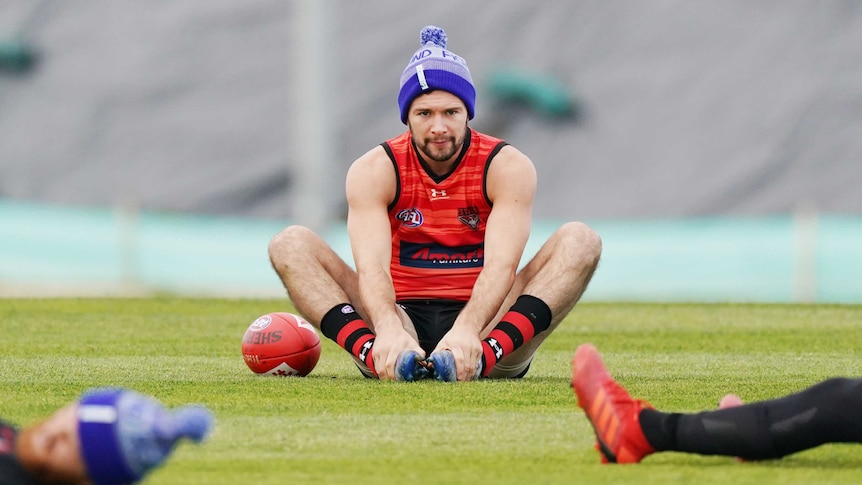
x=432, y=319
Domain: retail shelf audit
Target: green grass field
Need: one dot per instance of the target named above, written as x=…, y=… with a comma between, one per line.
x=337, y=427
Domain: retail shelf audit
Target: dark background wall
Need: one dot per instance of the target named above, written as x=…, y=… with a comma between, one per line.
x=681, y=107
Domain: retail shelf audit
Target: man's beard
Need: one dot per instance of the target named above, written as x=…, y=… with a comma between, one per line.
x=429, y=150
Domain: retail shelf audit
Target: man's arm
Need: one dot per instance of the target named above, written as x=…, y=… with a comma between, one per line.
x=511, y=186
x=370, y=188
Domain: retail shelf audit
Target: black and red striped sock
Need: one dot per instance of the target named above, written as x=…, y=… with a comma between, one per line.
x=527, y=317
x=345, y=327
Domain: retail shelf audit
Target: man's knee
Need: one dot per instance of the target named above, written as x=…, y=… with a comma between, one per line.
x=585, y=242
x=288, y=241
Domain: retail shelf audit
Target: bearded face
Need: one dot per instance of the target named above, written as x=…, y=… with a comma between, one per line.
x=438, y=125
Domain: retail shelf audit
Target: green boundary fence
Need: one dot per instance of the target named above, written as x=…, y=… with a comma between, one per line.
x=94, y=251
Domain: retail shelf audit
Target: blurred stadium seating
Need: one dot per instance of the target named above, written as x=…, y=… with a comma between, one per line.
x=714, y=145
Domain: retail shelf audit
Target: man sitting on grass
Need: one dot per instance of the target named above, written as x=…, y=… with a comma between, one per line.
x=438, y=219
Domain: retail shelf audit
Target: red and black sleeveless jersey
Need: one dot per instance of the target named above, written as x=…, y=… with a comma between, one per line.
x=11, y=471
x=438, y=222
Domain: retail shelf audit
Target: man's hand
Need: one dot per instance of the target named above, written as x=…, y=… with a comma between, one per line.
x=387, y=345
x=466, y=348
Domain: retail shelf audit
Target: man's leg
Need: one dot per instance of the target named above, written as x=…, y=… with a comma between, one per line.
x=544, y=292
x=324, y=290
x=827, y=412
x=627, y=429
x=346, y=328
x=315, y=277
x=610, y=409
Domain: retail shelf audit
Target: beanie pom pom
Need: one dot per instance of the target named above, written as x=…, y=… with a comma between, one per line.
x=433, y=34
x=192, y=422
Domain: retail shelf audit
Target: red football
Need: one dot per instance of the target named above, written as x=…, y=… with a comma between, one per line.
x=281, y=344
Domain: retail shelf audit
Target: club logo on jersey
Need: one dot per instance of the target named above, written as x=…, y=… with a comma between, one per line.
x=439, y=194
x=469, y=216
x=410, y=217
x=436, y=256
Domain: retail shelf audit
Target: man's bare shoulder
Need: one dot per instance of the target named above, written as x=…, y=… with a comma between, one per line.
x=511, y=175
x=512, y=163
x=371, y=175
x=373, y=160
x=510, y=154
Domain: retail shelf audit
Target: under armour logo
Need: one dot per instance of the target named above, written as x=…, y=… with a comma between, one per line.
x=495, y=346
x=438, y=194
x=366, y=347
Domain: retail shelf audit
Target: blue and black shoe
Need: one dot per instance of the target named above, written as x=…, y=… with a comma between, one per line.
x=442, y=365
x=410, y=366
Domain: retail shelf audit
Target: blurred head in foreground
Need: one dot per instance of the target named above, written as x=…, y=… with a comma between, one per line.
x=108, y=436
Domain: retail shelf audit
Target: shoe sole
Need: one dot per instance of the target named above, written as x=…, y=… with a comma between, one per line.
x=443, y=366
x=409, y=368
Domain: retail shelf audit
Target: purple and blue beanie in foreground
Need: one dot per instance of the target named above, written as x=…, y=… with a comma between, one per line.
x=125, y=434
x=433, y=67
